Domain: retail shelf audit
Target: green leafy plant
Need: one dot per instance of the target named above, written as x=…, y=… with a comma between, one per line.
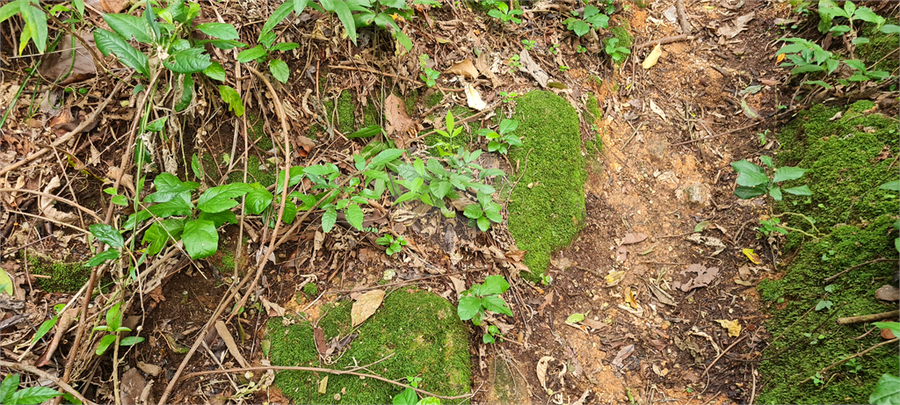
x=762, y=137
x=528, y=44
x=563, y=68
x=263, y=53
x=379, y=13
x=113, y=327
x=35, y=19
x=11, y=395
x=616, y=52
x=580, y=49
x=767, y=226
x=554, y=49
x=483, y=297
x=483, y=212
x=590, y=19
x=171, y=39
x=429, y=76
x=502, y=140
x=514, y=64
x=409, y=396
x=887, y=389
x=449, y=133
x=503, y=13
x=493, y=333
x=754, y=181
x=392, y=245
x=829, y=10
x=507, y=97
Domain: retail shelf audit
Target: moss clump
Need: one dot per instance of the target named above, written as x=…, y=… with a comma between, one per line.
x=546, y=209
x=371, y=115
x=419, y=329
x=847, y=161
x=796, y=356
x=625, y=38
x=64, y=277
x=311, y=289
x=258, y=133
x=345, y=107
x=433, y=99
x=256, y=172
x=880, y=44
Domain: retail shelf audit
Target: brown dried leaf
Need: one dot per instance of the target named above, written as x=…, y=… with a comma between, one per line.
x=223, y=332
x=740, y=24
x=535, y=70
x=365, y=306
x=541, y=370
x=632, y=238
x=704, y=276
x=473, y=98
x=464, y=68
x=622, y=355
x=398, y=120
x=319, y=339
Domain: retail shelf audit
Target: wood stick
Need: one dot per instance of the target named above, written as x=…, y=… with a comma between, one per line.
x=662, y=41
x=878, y=260
x=860, y=354
x=868, y=318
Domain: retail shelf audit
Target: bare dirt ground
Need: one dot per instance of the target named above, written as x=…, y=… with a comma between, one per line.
x=657, y=305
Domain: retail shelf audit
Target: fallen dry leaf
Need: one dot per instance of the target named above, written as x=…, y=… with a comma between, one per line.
x=473, y=98
x=398, y=120
x=47, y=208
x=653, y=57
x=629, y=297
x=662, y=295
x=464, y=68
x=541, y=370
x=533, y=68
x=655, y=108
x=709, y=241
x=621, y=254
x=704, y=277
x=622, y=355
x=230, y=343
x=365, y=306
x=750, y=255
x=734, y=328
x=888, y=293
x=614, y=278
x=740, y=24
x=632, y=238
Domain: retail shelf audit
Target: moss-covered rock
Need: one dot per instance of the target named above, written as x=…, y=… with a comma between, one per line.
x=847, y=158
x=345, y=108
x=419, y=330
x=546, y=209
x=63, y=277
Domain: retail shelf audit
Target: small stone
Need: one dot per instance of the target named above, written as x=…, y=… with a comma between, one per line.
x=888, y=293
x=696, y=194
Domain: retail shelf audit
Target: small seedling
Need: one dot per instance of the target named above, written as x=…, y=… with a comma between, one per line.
x=514, y=64
x=409, y=396
x=753, y=181
x=580, y=49
x=762, y=137
x=483, y=297
x=616, y=52
x=429, y=76
x=452, y=131
x=504, y=14
x=767, y=226
x=528, y=44
x=11, y=394
x=393, y=245
x=592, y=18
x=483, y=212
x=563, y=68
x=508, y=96
x=554, y=49
x=500, y=142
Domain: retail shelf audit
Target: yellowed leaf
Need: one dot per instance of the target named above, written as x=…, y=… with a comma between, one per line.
x=629, y=297
x=473, y=98
x=734, y=328
x=653, y=57
x=323, y=385
x=750, y=255
x=464, y=68
x=614, y=278
x=365, y=306
x=779, y=58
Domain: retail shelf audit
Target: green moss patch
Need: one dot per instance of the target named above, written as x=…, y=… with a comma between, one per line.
x=64, y=277
x=816, y=341
x=419, y=329
x=256, y=172
x=546, y=209
x=847, y=158
x=345, y=107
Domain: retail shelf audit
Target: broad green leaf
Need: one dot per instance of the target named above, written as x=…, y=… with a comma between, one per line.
x=130, y=341
x=354, y=215
x=189, y=60
x=866, y=14
x=819, y=83
x=575, y=318
x=174, y=207
x=855, y=64
x=6, y=11
x=277, y=17
x=9, y=384
x=43, y=329
x=107, y=234
x=407, y=397
x=295, y=176
x=225, y=44
x=114, y=316
x=200, y=238
x=891, y=185
x=34, y=395
x=579, y=27
x=258, y=199
x=215, y=71
x=220, y=198
x=786, y=173
x=806, y=69
x=824, y=304
x=366, y=132
x=6, y=285
x=219, y=30
x=386, y=156
x=495, y=285
x=468, y=307
x=102, y=257
x=320, y=170
x=158, y=124
x=749, y=192
x=887, y=28
x=104, y=344
x=892, y=326
x=328, y=219
x=35, y=25
x=802, y=190
x=775, y=192
x=507, y=126
x=187, y=93
x=767, y=160
x=490, y=173
x=160, y=233
x=129, y=26
x=440, y=188
x=299, y=5
x=249, y=55
x=196, y=167
x=168, y=187
x=743, y=166
x=110, y=42
x=752, y=179
x=496, y=304
x=473, y=211
x=342, y=10
x=219, y=218
x=483, y=223
x=887, y=391
x=284, y=46
x=279, y=70
x=230, y=96
x=493, y=213
x=290, y=212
